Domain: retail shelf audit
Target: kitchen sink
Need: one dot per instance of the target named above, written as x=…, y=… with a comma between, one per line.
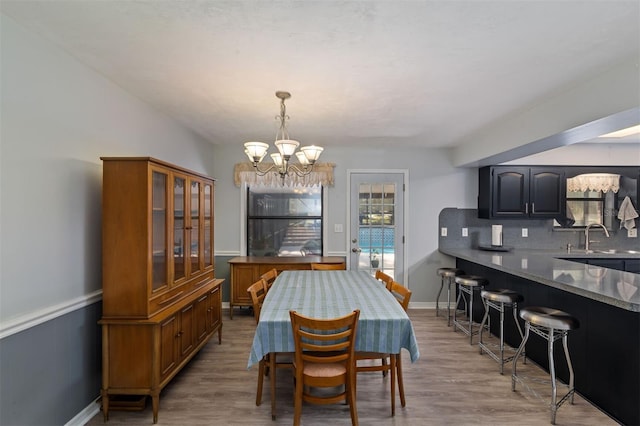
x=616, y=251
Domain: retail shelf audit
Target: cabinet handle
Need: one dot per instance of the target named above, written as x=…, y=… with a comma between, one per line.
x=526, y=208
x=175, y=296
x=533, y=208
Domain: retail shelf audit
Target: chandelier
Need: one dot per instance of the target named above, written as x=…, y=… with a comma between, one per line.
x=307, y=155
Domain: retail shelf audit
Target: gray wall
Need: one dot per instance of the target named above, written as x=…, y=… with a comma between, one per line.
x=58, y=118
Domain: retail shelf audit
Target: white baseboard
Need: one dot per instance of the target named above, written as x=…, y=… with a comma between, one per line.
x=83, y=417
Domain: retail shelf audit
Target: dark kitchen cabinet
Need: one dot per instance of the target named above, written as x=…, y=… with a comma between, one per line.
x=521, y=192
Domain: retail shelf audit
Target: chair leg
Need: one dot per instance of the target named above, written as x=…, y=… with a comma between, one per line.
x=351, y=395
x=514, y=308
x=438, y=297
x=515, y=358
x=455, y=309
x=399, y=376
x=566, y=354
x=393, y=360
x=552, y=372
x=384, y=371
x=260, y=380
x=484, y=321
x=297, y=405
x=449, y=282
x=471, y=318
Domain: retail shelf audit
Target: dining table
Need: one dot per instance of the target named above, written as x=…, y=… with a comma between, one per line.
x=383, y=325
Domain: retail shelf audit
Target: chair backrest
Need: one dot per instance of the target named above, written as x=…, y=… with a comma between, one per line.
x=386, y=279
x=269, y=277
x=324, y=340
x=401, y=293
x=328, y=266
x=257, y=291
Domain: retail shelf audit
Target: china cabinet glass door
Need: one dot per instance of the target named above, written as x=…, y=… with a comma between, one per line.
x=208, y=225
x=179, y=228
x=159, y=230
x=194, y=227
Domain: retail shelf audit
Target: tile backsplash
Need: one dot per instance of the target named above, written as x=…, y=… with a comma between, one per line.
x=540, y=233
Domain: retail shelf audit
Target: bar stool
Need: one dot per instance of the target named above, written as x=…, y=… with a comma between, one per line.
x=446, y=276
x=499, y=300
x=467, y=284
x=550, y=324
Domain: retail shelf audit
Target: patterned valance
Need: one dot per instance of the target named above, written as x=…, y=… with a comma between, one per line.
x=594, y=182
x=322, y=174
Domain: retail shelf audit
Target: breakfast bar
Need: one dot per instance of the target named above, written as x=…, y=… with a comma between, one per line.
x=606, y=348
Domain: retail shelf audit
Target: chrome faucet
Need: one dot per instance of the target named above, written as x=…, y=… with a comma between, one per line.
x=586, y=235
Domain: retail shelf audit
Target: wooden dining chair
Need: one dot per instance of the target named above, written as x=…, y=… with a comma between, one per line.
x=390, y=362
x=386, y=279
x=258, y=292
x=269, y=277
x=328, y=266
x=324, y=358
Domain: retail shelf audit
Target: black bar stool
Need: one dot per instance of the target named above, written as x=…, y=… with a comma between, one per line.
x=499, y=300
x=467, y=284
x=550, y=324
x=447, y=276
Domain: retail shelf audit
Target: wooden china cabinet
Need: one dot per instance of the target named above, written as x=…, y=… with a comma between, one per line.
x=161, y=301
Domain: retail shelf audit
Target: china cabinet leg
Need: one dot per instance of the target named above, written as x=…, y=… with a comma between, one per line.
x=155, y=402
x=220, y=335
x=105, y=405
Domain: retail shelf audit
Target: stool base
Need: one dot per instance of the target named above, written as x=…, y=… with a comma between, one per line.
x=551, y=335
x=465, y=325
x=496, y=351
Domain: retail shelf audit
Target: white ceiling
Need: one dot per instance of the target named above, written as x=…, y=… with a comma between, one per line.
x=416, y=73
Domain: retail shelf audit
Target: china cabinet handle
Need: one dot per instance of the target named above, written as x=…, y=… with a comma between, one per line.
x=175, y=296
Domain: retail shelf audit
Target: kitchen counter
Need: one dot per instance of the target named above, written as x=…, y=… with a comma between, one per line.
x=605, y=348
x=549, y=267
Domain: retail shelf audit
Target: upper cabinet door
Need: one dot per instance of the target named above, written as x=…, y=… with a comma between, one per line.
x=510, y=192
x=547, y=193
x=521, y=192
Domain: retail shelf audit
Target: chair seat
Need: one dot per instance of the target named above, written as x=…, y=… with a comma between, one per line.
x=471, y=280
x=549, y=317
x=323, y=370
x=502, y=296
x=449, y=272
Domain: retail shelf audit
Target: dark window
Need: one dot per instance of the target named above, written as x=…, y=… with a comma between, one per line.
x=284, y=221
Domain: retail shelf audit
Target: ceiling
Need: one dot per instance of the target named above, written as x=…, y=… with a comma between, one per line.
x=409, y=73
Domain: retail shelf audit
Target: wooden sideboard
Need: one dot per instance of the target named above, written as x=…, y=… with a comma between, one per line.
x=245, y=270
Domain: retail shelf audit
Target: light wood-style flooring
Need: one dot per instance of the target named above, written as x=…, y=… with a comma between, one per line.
x=451, y=384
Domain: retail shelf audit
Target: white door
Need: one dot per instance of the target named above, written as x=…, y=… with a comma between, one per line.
x=376, y=224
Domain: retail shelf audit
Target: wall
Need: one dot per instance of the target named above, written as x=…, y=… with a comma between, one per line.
x=433, y=184
x=58, y=118
x=610, y=92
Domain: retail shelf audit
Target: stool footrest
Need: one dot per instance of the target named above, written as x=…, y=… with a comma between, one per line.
x=525, y=380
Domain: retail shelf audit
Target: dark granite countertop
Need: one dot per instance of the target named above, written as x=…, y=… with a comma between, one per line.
x=549, y=267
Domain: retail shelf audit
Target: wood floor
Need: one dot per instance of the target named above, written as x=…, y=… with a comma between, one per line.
x=451, y=384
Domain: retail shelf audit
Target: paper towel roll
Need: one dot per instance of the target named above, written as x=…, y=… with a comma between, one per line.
x=496, y=235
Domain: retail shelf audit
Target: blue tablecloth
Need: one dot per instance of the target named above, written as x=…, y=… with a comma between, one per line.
x=383, y=325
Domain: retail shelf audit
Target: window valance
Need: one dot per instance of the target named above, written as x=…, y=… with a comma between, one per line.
x=322, y=174
x=594, y=182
